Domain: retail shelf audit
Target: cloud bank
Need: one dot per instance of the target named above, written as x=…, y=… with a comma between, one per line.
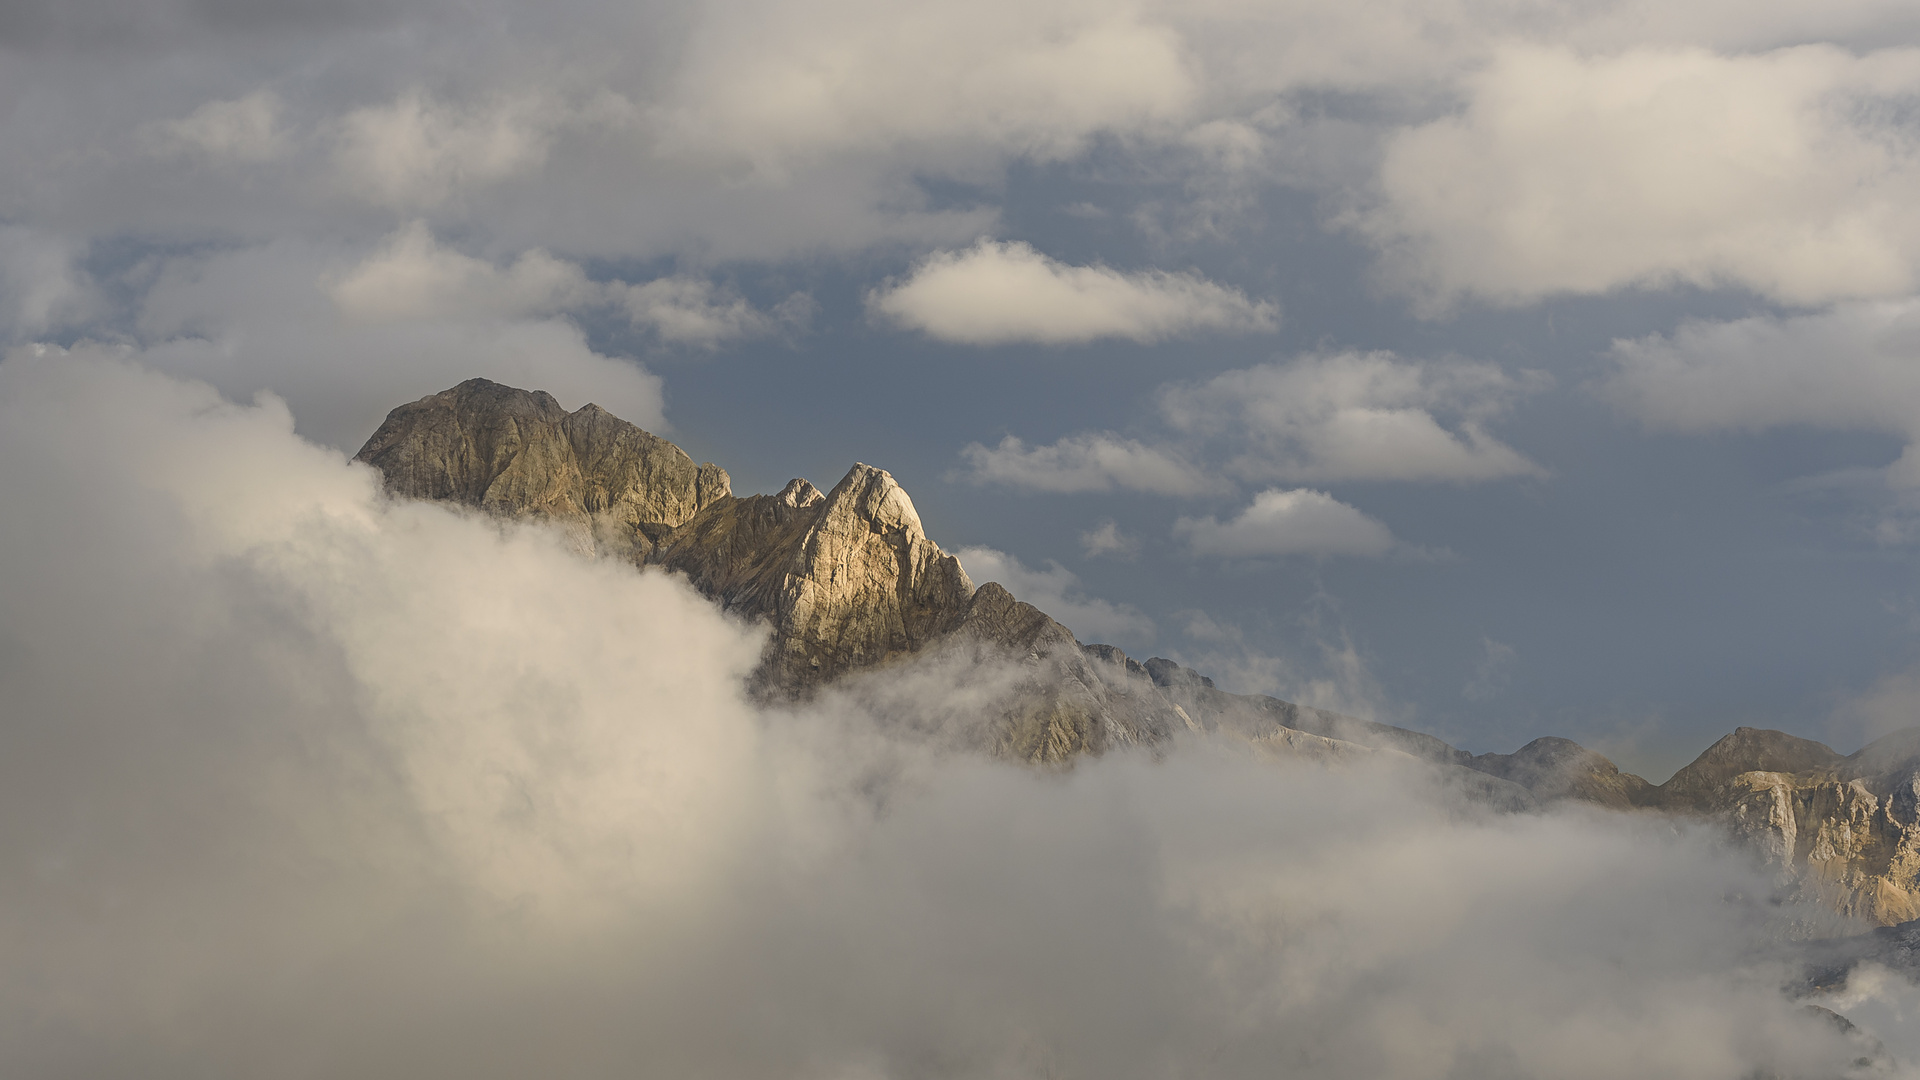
x=387, y=790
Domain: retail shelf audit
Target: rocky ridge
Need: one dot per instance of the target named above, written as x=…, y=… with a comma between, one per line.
x=847, y=581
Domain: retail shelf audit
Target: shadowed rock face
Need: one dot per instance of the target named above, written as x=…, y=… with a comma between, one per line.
x=516, y=453
x=1746, y=750
x=1554, y=768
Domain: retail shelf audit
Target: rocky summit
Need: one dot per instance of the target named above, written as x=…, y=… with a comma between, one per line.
x=848, y=584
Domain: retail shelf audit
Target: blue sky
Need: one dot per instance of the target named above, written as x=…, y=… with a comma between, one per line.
x=1496, y=370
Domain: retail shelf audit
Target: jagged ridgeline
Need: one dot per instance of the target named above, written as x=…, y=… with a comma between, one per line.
x=848, y=582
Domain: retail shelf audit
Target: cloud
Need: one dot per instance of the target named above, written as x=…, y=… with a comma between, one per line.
x=1326, y=669
x=780, y=83
x=1854, y=367
x=1093, y=462
x=1492, y=674
x=1322, y=418
x=42, y=284
x=340, y=807
x=414, y=277
x=416, y=151
x=1279, y=523
x=689, y=310
x=245, y=130
x=1356, y=416
x=1107, y=539
x=1786, y=171
x=996, y=293
x=345, y=340
x=1057, y=591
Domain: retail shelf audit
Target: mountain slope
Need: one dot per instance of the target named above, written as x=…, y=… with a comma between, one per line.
x=850, y=586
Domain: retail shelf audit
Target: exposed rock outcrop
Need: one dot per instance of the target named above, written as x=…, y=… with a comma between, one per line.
x=1839, y=830
x=517, y=453
x=847, y=580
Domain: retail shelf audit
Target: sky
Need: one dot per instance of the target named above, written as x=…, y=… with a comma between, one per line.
x=1495, y=369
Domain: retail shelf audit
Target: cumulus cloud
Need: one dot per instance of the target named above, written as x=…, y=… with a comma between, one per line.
x=413, y=277
x=1854, y=367
x=1288, y=522
x=1322, y=418
x=1107, y=538
x=1057, y=591
x=416, y=151
x=245, y=130
x=1095, y=462
x=1785, y=171
x=1356, y=416
x=340, y=807
x=343, y=341
x=995, y=293
x=42, y=285
x=689, y=310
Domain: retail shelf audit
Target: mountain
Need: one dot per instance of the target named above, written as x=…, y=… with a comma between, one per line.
x=1842, y=831
x=850, y=587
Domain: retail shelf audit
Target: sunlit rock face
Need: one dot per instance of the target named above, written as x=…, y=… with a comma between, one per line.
x=1841, y=830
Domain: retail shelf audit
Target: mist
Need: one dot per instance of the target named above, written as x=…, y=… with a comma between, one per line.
x=299, y=782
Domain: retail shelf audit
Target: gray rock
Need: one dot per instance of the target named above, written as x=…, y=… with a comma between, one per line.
x=516, y=453
x=1553, y=768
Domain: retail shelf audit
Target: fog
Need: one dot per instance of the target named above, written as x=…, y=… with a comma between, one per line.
x=295, y=782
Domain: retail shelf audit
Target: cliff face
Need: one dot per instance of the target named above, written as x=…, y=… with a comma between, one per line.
x=611, y=486
x=1839, y=830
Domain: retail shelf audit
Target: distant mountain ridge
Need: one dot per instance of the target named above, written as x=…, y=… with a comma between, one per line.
x=848, y=582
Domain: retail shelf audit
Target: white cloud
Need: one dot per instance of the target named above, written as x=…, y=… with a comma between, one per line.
x=1107, y=539
x=1855, y=367
x=1355, y=416
x=416, y=151
x=1789, y=172
x=1093, y=462
x=995, y=293
x=779, y=82
x=414, y=277
x=246, y=129
x=1296, y=522
x=276, y=318
x=1057, y=591
x=689, y=310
